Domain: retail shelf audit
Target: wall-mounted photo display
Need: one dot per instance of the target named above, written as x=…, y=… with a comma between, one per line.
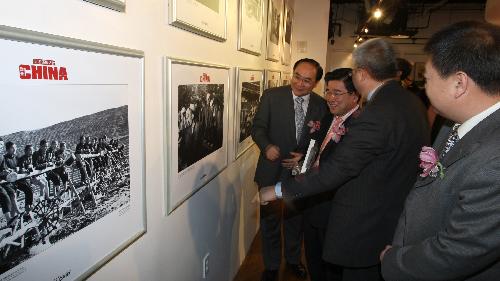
x=273, y=78
x=203, y=17
x=286, y=78
x=118, y=5
x=251, y=26
x=72, y=139
x=196, y=119
x=418, y=72
x=274, y=20
x=249, y=90
x=286, y=55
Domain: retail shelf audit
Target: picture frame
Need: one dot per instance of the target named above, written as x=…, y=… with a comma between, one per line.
x=117, y=5
x=203, y=17
x=249, y=89
x=250, y=26
x=272, y=78
x=274, y=29
x=97, y=211
x=419, y=70
x=286, y=78
x=286, y=55
x=196, y=126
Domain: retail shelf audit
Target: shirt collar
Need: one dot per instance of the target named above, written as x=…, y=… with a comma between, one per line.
x=345, y=116
x=305, y=97
x=473, y=121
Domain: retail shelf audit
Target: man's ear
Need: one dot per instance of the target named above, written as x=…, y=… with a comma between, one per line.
x=461, y=80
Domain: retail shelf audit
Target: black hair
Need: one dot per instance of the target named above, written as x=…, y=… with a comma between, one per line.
x=405, y=67
x=9, y=145
x=319, y=69
x=344, y=75
x=469, y=46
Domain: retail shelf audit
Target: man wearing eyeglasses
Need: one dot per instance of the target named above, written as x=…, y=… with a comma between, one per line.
x=372, y=170
x=343, y=102
x=279, y=128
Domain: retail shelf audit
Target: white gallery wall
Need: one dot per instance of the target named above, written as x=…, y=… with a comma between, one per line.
x=221, y=218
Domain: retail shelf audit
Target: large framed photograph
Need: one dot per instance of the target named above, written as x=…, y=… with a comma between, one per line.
x=75, y=124
x=249, y=90
x=273, y=78
x=251, y=26
x=286, y=55
x=274, y=19
x=286, y=78
x=196, y=114
x=118, y=5
x=203, y=17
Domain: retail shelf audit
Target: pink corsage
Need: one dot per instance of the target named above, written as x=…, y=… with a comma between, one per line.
x=429, y=163
x=338, y=133
x=314, y=125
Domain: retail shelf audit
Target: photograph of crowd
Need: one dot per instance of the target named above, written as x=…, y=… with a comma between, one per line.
x=62, y=167
x=253, y=9
x=200, y=122
x=250, y=95
x=274, y=23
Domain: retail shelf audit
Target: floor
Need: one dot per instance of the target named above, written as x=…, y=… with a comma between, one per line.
x=252, y=267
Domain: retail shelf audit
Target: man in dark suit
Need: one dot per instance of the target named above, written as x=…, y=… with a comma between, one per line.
x=343, y=102
x=372, y=169
x=450, y=226
x=280, y=127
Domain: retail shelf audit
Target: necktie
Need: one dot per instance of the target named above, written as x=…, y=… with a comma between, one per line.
x=452, y=139
x=336, y=122
x=299, y=116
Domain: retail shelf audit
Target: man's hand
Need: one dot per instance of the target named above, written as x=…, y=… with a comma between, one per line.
x=267, y=194
x=382, y=254
x=272, y=152
x=293, y=161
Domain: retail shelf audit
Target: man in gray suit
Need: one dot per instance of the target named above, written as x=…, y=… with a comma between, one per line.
x=450, y=226
x=279, y=128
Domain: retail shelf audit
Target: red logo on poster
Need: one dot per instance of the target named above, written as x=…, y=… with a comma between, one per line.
x=205, y=78
x=43, y=69
x=252, y=78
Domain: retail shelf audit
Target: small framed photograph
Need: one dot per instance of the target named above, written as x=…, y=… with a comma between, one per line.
x=286, y=78
x=286, y=55
x=249, y=90
x=419, y=70
x=273, y=78
x=274, y=24
x=80, y=114
x=117, y=5
x=196, y=114
x=251, y=26
x=203, y=17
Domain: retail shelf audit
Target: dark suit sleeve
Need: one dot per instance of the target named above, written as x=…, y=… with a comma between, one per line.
x=469, y=241
x=364, y=140
x=261, y=121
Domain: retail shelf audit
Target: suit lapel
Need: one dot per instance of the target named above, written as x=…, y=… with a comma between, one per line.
x=290, y=111
x=465, y=146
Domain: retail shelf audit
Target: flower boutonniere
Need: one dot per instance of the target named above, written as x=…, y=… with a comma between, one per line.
x=338, y=132
x=429, y=163
x=314, y=125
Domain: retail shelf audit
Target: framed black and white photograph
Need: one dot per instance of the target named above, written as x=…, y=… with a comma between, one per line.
x=250, y=26
x=274, y=20
x=74, y=152
x=117, y=5
x=286, y=78
x=203, y=17
x=273, y=78
x=196, y=114
x=286, y=54
x=249, y=90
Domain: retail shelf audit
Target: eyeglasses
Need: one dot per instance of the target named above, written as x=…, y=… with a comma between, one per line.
x=306, y=81
x=335, y=93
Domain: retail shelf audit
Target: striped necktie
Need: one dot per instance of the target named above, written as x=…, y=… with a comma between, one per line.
x=452, y=139
x=299, y=117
